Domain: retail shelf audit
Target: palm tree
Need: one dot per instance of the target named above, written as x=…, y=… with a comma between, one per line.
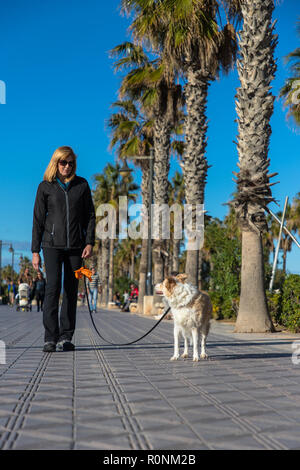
x=159, y=102
x=132, y=134
x=254, y=107
x=109, y=188
x=162, y=100
x=176, y=196
x=199, y=48
x=186, y=35
x=291, y=89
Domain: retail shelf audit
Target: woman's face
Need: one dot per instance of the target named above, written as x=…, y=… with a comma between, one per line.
x=65, y=167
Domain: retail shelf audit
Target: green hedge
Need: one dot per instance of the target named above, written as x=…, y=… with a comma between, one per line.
x=224, y=307
x=290, y=314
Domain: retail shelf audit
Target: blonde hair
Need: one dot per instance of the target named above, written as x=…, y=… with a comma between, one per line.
x=61, y=153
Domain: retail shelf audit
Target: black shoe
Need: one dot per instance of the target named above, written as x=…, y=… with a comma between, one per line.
x=65, y=345
x=50, y=346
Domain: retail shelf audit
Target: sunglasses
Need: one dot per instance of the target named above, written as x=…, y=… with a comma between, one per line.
x=65, y=163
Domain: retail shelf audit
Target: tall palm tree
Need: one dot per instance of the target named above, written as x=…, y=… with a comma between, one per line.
x=132, y=134
x=254, y=105
x=291, y=89
x=162, y=99
x=109, y=187
x=199, y=47
x=176, y=196
x=186, y=35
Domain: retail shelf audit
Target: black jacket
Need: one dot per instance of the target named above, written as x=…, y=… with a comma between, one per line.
x=63, y=218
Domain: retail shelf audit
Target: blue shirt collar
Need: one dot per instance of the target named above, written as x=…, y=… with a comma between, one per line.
x=63, y=185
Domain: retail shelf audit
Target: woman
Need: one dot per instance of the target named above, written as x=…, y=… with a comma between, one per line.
x=64, y=226
x=26, y=276
x=39, y=290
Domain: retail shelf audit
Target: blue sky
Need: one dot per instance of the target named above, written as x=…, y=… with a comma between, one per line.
x=60, y=85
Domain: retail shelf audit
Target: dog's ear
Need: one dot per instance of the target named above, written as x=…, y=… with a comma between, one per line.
x=181, y=277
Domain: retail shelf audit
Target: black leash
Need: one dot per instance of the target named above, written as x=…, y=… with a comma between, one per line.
x=121, y=344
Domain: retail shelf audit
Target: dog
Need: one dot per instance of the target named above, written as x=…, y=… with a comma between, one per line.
x=192, y=312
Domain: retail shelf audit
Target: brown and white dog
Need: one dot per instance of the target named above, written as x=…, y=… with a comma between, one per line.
x=192, y=312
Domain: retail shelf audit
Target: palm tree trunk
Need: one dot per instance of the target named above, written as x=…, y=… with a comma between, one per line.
x=256, y=69
x=200, y=256
x=195, y=164
x=144, y=250
x=284, y=256
x=131, y=272
x=253, y=313
x=111, y=270
x=105, y=268
x=160, y=188
x=176, y=252
x=143, y=275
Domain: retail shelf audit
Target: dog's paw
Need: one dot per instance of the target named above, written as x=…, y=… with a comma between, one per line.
x=174, y=358
x=184, y=355
x=204, y=356
x=196, y=359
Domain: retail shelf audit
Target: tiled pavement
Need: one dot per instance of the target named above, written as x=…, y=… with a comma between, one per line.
x=246, y=396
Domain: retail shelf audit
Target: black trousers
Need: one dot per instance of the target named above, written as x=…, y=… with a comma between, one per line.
x=39, y=297
x=57, y=329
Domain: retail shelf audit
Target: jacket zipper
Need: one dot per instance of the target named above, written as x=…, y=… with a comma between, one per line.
x=68, y=218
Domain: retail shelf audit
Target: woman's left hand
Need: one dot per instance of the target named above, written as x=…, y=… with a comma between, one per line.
x=87, y=252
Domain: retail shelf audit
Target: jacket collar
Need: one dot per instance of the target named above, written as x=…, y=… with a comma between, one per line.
x=64, y=186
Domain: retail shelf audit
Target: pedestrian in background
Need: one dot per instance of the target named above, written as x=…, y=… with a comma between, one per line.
x=12, y=291
x=39, y=286
x=93, y=287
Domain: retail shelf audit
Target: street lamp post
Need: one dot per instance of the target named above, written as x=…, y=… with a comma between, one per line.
x=124, y=171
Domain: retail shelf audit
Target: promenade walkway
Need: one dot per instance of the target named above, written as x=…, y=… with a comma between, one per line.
x=246, y=396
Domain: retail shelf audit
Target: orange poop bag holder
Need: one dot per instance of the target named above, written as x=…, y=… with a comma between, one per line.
x=79, y=273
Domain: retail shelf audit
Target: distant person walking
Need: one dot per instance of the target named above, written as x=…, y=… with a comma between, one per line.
x=93, y=287
x=39, y=286
x=64, y=226
x=27, y=277
x=12, y=291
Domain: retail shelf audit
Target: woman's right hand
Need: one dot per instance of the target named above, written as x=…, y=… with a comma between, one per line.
x=36, y=261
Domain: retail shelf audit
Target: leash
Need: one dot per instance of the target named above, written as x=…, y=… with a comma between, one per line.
x=86, y=273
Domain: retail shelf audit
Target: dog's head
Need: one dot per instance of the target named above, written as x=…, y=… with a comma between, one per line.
x=167, y=287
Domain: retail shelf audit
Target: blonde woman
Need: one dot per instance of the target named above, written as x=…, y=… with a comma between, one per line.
x=64, y=227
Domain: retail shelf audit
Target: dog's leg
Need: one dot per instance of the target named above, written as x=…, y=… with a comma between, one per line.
x=186, y=347
x=195, y=336
x=176, y=344
x=204, y=333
